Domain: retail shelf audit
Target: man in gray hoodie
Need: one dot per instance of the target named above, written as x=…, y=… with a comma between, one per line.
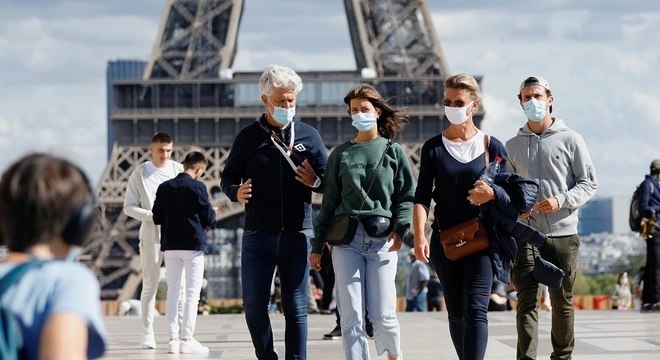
x=546, y=150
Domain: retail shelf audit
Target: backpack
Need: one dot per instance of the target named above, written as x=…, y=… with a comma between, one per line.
x=10, y=335
x=634, y=216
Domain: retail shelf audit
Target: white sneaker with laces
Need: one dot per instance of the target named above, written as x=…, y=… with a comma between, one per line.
x=148, y=339
x=173, y=346
x=192, y=346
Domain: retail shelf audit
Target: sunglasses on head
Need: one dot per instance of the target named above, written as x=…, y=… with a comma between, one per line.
x=457, y=103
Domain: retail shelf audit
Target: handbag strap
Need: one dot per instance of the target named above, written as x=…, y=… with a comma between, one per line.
x=373, y=175
x=487, y=149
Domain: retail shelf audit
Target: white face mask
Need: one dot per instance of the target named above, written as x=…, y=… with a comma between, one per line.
x=457, y=115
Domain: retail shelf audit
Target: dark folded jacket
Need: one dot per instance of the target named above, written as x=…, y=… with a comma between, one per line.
x=516, y=194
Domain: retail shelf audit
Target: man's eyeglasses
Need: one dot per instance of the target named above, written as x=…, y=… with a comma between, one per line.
x=457, y=103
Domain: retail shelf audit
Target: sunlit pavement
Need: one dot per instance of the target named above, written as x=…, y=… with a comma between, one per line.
x=600, y=334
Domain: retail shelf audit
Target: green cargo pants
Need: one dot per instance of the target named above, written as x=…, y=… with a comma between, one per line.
x=563, y=252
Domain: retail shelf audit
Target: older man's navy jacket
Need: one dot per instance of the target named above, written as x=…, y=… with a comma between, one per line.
x=279, y=202
x=184, y=213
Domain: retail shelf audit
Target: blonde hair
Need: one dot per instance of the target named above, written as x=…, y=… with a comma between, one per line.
x=466, y=82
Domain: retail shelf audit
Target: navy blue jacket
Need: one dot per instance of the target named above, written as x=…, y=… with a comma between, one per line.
x=649, y=198
x=184, y=213
x=447, y=181
x=279, y=202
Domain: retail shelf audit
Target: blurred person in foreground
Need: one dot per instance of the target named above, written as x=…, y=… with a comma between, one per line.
x=47, y=212
x=273, y=166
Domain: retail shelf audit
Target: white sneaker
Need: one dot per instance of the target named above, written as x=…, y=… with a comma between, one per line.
x=173, y=346
x=192, y=346
x=148, y=339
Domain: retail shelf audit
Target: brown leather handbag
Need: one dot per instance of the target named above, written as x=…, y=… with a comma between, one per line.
x=464, y=239
x=469, y=236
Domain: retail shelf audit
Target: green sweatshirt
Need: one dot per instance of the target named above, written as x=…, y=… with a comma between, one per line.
x=349, y=171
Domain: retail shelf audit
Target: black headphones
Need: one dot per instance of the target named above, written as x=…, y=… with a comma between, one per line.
x=82, y=221
x=80, y=224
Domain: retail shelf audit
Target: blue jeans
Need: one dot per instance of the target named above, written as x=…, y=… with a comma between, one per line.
x=365, y=272
x=261, y=253
x=418, y=303
x=466, y=284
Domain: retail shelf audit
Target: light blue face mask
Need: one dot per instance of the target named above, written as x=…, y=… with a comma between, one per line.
x=364, y=121
x=284, y=116
x=535, y=110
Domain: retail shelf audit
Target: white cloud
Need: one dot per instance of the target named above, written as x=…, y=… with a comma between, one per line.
x=598, y=56
x=649, y=103
x=502, y=120
x=636, y=63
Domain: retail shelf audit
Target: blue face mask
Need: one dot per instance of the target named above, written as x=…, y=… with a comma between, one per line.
x=364, y=121
x=284, y=116
x=535, y=110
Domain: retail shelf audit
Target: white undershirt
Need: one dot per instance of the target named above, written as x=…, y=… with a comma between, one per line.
x=466, y=151
x=154, y=176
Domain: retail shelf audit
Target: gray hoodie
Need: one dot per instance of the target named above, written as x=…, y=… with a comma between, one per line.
x=559, y=160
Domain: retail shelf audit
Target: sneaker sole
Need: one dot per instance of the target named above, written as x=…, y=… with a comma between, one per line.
x=195, y=352
x=331, y=337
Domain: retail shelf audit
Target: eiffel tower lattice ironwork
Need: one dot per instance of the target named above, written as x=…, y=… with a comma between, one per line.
x=187, y=89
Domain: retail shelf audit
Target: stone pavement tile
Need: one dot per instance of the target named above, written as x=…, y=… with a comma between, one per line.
x=602, y=335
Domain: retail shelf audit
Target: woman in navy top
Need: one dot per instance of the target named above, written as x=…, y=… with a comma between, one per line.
x=450, y=166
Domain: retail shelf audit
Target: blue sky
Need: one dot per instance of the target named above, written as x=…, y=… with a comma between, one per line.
x=600, y=57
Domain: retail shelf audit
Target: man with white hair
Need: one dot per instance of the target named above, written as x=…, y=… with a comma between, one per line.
x=273, y=167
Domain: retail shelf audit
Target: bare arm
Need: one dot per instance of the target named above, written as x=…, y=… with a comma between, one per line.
x=422, y=250
x=64, y=336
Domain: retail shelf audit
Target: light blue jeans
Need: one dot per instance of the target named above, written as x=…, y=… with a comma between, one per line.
x=365, y=271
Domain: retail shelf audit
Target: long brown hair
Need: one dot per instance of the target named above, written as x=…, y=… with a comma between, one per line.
x=391, y=120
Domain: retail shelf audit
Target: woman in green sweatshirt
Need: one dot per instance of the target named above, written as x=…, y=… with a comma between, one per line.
x=369, y=177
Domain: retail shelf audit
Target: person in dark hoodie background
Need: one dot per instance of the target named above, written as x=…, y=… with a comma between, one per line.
x=649, y=207
x=547, y=151
x=273, y=167
x=184, y=212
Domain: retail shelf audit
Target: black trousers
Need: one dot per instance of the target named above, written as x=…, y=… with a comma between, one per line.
x=651, y=291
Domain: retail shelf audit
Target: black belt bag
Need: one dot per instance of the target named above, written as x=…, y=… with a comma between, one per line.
x=377, y=226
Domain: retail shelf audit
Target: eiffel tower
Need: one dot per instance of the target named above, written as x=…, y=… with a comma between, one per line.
x=187, y=88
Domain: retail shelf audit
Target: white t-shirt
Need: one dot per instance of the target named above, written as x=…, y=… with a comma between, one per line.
x=466, y=151
x=154, y=176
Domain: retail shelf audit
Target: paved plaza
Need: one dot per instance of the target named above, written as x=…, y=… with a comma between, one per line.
x=600, y=334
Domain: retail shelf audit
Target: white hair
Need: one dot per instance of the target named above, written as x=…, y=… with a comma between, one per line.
x=278, y=76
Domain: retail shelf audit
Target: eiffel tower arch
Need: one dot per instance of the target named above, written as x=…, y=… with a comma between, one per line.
x=187, y=88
